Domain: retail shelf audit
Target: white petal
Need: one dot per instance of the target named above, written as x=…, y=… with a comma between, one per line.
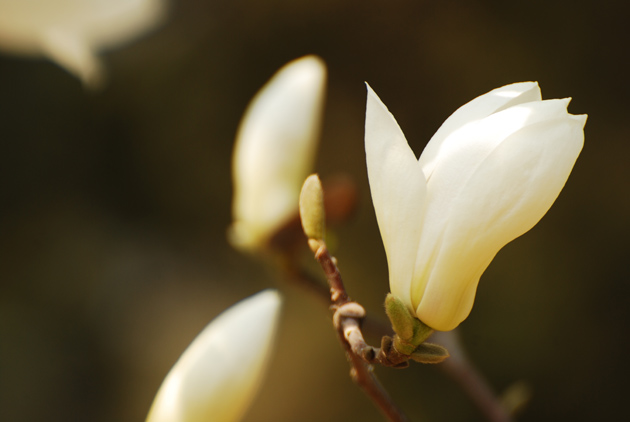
x=465, y=150
x=461, y=154
x=275, y=150
x=218, y=375
x=398, y=190
x=508, y=192
x=496, y=100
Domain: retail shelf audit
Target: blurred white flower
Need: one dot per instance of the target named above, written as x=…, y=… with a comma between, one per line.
x=487, y=176
x=275, y=151
x=72, y=32
x=218, y=375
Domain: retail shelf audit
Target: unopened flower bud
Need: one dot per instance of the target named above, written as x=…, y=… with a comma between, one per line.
x=274, y=152
x=218, y=375
x=312, y=212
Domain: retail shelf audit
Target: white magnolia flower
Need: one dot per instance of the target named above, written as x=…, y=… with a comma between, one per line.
x=73, y=32
x=487, y=176
x=275, y=150
x=218, y=375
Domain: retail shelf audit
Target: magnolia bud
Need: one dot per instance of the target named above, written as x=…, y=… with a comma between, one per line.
x=274, y=152
x=218, y=375
x=312, y=212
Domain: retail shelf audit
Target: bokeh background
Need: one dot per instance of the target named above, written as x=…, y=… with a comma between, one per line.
x=115, y=205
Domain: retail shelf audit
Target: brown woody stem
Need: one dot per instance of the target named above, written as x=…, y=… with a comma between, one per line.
x=463, y=372
x=347, y=319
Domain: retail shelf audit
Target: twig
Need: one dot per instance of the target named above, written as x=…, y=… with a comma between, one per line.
x=347, y=319
x=362, y=374
x=338, y=294
x=462, y=371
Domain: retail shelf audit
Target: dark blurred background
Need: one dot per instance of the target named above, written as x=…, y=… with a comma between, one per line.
x=115, y=205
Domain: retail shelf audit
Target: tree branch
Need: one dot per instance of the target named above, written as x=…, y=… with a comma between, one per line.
x=347, y=319
x=462, y=371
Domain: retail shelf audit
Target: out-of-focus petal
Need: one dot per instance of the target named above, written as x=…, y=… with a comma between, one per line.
x=73, y=32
